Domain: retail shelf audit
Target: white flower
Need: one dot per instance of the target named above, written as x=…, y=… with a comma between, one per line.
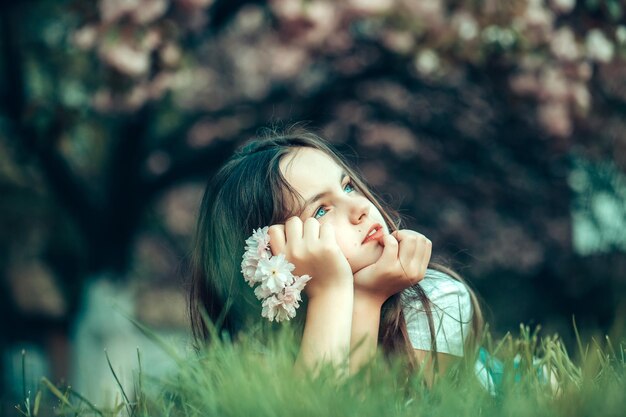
x=283, y=305
x=262, y=292
x=280, y=290
x=275, y=272
x=300, y=282
x=563, y=6
x=256, y=249
x=599, y=48
x=248, y=269
x=465, y=25
x=270, y=310
x=426, y=62
x=563, y=44
x=259, y=242
x=370, y=7
x=620, y=34
x=126, y=58
x=280, y=307
x=85, y=37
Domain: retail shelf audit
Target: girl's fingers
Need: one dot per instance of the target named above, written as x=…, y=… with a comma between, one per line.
x=415, y=251
x=401, y=235
x=408, y=255
x=390, y=250
x=426, y=255
x=293, y=231
x=276, y=233
x=311, y=230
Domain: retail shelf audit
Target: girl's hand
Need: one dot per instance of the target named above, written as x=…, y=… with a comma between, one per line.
x=402, y=264
x=313, y=249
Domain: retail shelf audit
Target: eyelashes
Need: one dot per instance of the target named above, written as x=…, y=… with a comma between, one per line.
x=317, y=214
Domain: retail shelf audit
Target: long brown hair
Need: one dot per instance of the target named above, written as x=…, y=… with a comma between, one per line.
x=249, y=192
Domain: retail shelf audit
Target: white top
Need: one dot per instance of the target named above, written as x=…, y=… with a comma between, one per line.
x=451, y=310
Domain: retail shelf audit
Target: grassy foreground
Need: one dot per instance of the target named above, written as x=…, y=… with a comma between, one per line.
x=250, y=378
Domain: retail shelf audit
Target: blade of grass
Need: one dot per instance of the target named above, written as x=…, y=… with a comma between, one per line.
x=37, y=403
x=87, y=402
x=24, y=374
x=156, y=339
x=119, y=384
x=54, y=390
x=583, y=353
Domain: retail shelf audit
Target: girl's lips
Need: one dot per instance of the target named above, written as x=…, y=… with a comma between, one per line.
x=379, y=234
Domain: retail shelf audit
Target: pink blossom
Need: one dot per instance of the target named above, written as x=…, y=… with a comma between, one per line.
x=426, y=62
x=599, y=47
x=137, y=97
x=281, y=306
x=429, y=12
x=195, y=4
x=563, y=45
x=554, y=85
x=275, y=310
x=85, y=37
x=555, y=118
x=401, y=42
x=149, y=10
x=161, y=83
x=258, y=242
x=151, y=40
x=465, y=25
x=287, y=9
x=286, y=61
x=584, y=71
x=581, y=97
x=125, y=58
x=262, y=292
x=323, y=19
x=563, y=6
x=112, y=10
x=275, y=272
x=524, y=84
x=370, y=7
x=536, y=22
x=400, y=140
x=248, y=269
x=300, y=282
x=279, y=289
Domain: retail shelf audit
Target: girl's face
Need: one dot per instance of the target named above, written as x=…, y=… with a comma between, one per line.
x=330, y=197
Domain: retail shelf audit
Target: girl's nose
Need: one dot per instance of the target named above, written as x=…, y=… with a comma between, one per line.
x=359, y=209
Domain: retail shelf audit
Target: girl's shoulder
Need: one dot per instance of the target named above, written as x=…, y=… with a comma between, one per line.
x=451, y=311
x=443, y=290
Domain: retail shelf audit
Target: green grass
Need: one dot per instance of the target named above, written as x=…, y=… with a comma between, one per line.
x=254, y=378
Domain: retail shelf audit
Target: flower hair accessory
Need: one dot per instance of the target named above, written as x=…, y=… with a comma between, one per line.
x=279, y=289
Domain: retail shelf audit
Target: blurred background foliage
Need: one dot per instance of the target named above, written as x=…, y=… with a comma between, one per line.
x=496, y=127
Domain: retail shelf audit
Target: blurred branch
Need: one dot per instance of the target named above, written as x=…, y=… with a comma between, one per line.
x=205, y=161
x=612, y=101
x=194, y=163
x=12, y=101
x=222, y=11
x=40, y=144
x=123, y=205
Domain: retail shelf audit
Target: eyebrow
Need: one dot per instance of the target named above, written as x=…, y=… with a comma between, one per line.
x=321, y=195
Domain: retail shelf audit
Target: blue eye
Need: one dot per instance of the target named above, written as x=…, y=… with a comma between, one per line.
x=322, y=211
x=318, y=214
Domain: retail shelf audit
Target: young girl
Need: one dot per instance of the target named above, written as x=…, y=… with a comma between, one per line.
x=372, y=283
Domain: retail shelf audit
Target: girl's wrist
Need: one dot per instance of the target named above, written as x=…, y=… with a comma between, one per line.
x=337, y=287
x=368, y=299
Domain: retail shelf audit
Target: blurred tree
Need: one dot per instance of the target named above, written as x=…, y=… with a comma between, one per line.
x=469, y=111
